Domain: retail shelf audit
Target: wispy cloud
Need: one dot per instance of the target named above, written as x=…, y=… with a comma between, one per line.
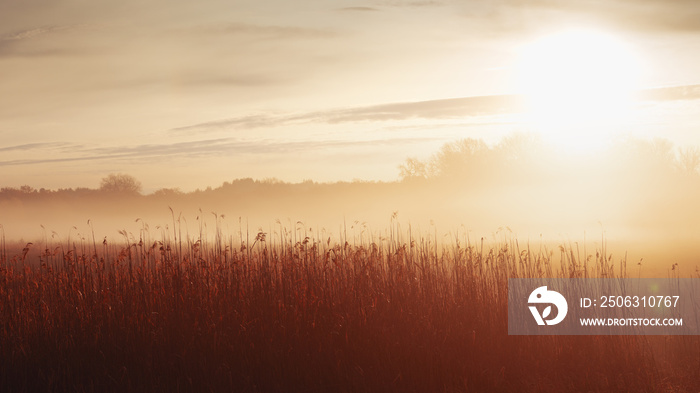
x=32, y=146
x=451, y=108
x=23, y=42
x=671, y=93
x=265, y=31
x=218, y=78
x=646, y=16
x=358, y=9
x=412, y=3
x=198, y=149
x=32, y=33
x=244, y=122
x=433, y=109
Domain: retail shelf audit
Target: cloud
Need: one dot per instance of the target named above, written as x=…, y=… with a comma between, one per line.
x=34, y=52
x=360, y=9
x=451, y=108
x=245, y=122
x=265, y=31
x=412, y=3
x=644, y=15
x=31, y=146
x=434, y=109
x=217, y=78
x=9, y=43
x=28, y=42
x=32, y=33
x=222, y=147
x=671, y=93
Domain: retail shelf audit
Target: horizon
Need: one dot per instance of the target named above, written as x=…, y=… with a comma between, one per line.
x=635, y=199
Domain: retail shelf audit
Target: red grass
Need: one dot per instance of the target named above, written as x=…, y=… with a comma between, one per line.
x=304, y=316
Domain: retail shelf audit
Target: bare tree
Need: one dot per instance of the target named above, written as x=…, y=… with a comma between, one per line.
x=413, y=169
x=689, y=160
x=120, y=183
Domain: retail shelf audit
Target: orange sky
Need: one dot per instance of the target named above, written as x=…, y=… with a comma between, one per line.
x=188, y=95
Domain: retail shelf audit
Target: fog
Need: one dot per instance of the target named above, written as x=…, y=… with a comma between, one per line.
x=636, y=198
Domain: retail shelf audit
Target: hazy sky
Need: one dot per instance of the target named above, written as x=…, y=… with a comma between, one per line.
x=190, y=94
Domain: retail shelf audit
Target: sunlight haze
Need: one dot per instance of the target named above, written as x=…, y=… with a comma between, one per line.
x=580, y=86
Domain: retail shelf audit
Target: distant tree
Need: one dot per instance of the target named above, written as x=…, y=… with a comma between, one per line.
x=413, y=169
x=120, y=183
x=272, y=180
x=662, y=152
x=519, y=149
x=168, y=192
x=689, y=160
x=649, y=158
x=27, y=189
x=464, y=158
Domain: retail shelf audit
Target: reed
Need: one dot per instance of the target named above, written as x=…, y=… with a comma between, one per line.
x=295, y=311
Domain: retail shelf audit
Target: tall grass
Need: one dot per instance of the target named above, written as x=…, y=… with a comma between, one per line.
x=297, y=311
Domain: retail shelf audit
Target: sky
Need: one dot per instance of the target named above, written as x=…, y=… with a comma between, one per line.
x=189, y=95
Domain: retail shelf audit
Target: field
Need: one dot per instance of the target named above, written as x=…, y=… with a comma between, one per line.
x=296, y=311
x=398, y=188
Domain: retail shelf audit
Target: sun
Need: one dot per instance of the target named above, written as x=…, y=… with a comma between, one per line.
x=579, y=87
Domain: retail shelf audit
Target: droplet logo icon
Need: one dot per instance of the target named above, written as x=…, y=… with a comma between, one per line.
x=542, y=296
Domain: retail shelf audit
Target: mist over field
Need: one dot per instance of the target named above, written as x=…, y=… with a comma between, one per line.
x=637, y=198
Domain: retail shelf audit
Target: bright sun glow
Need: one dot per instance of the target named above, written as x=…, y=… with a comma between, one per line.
x=579, y=86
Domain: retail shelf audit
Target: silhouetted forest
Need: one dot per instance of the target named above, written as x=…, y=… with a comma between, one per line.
x=519, y=158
